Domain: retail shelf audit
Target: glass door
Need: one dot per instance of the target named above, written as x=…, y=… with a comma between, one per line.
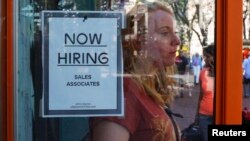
x=195, y=32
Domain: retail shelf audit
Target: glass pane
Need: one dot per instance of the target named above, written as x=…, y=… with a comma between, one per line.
x=245, y=66
x=30, y=125
x=160, y=69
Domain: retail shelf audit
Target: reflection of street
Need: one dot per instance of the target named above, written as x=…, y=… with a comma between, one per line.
x=188, y=78
x=186, y=106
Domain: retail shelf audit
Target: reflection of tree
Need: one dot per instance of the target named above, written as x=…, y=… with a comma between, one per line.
x=180, y=10
x=193, y=16
x=191, y=19
x=246, y=12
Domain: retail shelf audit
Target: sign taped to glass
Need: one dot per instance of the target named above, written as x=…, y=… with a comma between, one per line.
x=82, y=63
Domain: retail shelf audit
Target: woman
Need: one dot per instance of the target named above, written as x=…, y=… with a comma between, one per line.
x=206, y=98
x=146, y=87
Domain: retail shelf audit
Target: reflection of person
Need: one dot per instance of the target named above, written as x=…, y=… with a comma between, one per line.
x=245, y=52
x=145, y=85
x=246, y=76
x=206, y=98
x=197, y=65
x=181, y=62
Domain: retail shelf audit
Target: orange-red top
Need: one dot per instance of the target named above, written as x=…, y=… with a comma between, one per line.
x=207, y=88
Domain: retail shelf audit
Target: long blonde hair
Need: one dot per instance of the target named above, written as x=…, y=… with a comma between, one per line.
x=156, y=82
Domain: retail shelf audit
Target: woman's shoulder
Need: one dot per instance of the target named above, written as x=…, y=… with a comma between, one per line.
x=133, y=90
x=204, y=71
x=131, y=82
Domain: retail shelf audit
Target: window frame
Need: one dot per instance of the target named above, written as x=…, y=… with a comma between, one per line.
x=9, y=132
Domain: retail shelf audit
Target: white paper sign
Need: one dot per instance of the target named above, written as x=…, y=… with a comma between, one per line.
x=82, y=63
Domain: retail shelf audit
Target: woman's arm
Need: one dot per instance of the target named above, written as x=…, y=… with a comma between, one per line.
x=199, y=99
x=110, y=131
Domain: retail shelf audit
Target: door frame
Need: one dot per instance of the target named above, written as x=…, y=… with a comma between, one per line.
x=228, y=103
x=3, y=70
x=228, y=89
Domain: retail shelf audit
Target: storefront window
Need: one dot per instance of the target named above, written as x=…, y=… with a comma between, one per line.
x=245, y=55
x=75, y=60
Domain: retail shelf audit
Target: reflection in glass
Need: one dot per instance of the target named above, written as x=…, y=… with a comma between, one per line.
x=245, y=58
x=192, y=31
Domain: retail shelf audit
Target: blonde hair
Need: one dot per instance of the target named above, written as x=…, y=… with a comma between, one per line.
x=154, y=6
x=156, y=83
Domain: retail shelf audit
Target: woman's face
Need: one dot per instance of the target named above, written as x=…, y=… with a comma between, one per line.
x=162, y=41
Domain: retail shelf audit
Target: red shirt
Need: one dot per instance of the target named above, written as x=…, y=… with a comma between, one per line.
x=207, y=88
x=144, y=119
